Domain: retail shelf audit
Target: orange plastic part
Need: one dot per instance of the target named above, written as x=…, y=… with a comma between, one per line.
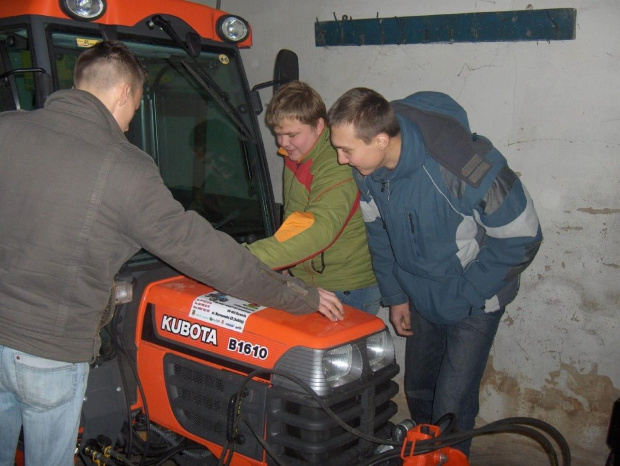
x=274, y=330
x=128, y=13
x=443, y=456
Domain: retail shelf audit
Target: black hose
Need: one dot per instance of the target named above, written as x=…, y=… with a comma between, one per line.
x=228, y=450
x=516, y=425
x=263, y=443
x=452, y=422
x=121, y=346
x=458, y=438
x=545, y=427
x=116, y=338
x=176, y=451
x=510, y=425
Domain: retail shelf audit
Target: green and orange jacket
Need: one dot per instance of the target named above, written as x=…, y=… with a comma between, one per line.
x=323, y=237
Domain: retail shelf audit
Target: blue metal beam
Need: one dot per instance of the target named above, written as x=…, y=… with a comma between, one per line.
x=502, y=26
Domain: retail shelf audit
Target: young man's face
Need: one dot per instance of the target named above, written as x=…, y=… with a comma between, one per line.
x=366, y=158
x=297, y=138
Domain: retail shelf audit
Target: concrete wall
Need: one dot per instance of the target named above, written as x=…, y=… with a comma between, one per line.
x=553, y=109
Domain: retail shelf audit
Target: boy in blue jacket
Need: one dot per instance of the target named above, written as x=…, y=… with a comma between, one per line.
x=450, y=228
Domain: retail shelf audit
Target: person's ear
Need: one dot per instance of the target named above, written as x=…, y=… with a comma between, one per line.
x=320, y=125
x=382, y=140
x=124, y=92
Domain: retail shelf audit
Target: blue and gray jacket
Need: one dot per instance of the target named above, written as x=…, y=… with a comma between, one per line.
x=453, y=231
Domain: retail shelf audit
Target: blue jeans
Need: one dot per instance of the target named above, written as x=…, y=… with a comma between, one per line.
x=45, y=398
x=365, y=299
x=444, y=366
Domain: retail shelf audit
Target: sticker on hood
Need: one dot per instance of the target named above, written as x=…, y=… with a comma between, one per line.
x=223, y=310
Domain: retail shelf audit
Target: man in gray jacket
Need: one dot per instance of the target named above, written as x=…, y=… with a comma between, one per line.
x=77, y=201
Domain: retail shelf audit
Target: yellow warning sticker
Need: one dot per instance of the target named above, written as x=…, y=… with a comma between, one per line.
x=86, y=43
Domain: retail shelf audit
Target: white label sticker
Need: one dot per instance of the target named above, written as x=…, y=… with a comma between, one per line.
x=222, y=310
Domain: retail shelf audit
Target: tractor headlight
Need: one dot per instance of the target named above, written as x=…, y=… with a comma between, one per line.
x=83, y=10
x=232, y=28
x=380, y=350
x=325, y=370
x=342, y=365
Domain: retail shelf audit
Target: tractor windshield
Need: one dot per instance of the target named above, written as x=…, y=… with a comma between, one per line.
x=205, y=157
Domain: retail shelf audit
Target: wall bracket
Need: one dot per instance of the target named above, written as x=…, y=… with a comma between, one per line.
x=501, y=26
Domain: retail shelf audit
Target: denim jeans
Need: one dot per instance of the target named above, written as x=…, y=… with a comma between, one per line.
x=45, y=398
x=365, y=299
x=444, y=366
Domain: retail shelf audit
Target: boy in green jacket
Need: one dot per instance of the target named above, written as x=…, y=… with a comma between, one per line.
x=323, y=239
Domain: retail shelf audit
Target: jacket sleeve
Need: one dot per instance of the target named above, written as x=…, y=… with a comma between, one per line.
x=331, y=201
x=383, y=260
x=513, y=237
x=187, y=242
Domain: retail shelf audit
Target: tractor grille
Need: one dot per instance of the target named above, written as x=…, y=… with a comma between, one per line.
x=298, y=429
x=199, y=395
x=303, y=433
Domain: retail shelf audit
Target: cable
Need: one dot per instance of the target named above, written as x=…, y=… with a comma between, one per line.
x=228, y=448
x=454, y=439
x=518, y=429
x=445, y=439
x=176, y=451
x=115, y=334
x=510, y=425
x=316, y=398
x=545, y=427
x=452, y=422
x=121, y=346
x=322, y=404
x=426, y=446
x=263, y=443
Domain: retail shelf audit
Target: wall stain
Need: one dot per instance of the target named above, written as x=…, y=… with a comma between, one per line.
x=590, y=304
x=578, y=404
x=593, y=211
x=567, y=293
x=613, y=266
x=571, y=228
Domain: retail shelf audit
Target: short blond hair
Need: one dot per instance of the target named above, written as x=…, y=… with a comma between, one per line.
x=107, y=63
x=298, y=101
